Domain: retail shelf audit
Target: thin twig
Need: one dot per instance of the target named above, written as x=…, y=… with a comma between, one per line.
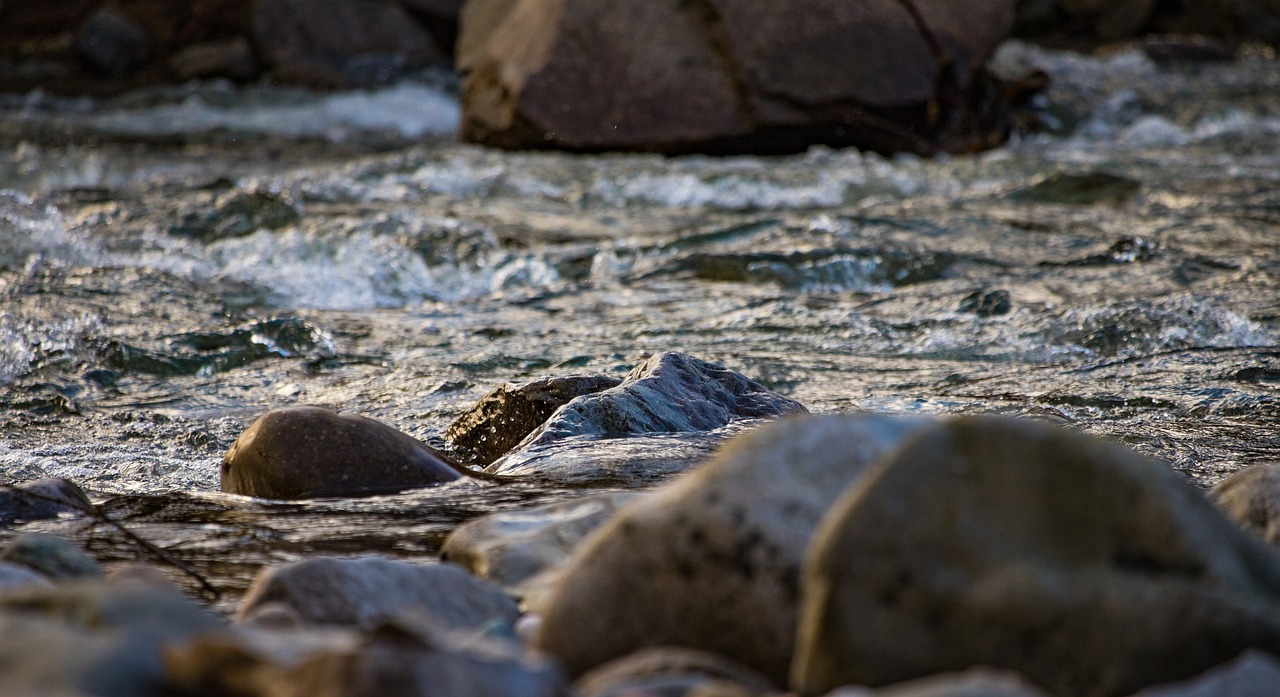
x=99, y=516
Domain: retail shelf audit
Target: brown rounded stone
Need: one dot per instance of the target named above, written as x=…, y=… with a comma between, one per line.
x=306, y=452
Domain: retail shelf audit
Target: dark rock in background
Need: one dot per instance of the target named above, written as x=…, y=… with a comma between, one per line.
x=721, y=75
x=339, y=43
x=112, y=43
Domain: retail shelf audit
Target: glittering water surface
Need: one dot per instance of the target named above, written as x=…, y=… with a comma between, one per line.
x=172, y=265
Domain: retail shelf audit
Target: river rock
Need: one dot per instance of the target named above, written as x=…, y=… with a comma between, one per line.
x=1251, y=674
x=502, y=418
x=522, y=552
x=51, y=556
x=18, y=575
x=93, y=638
x=233, y=58
x=975, y=682
x=671, y=671
x=406, y=655
x=41, y=499
x=668, y=392
x=718, y=75
x=364, y=591
x=306, y=452
x=339, y=43
x=711, y=561
x=113, y=43
x=1088, y=568
x=1251, y=497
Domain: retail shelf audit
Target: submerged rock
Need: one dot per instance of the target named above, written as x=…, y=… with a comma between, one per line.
x=718, y=75
x=711, y=561
x=1089, y=188
x=236, y=214
x=367, y=590
x=522, y=551
x=669, y=392
x=41, y=499
x=307, y=452
x=503, y=418
x=1251, y=497
x=1083, y=565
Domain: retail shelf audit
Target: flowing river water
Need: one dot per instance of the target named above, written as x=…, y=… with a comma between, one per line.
x=177, y=261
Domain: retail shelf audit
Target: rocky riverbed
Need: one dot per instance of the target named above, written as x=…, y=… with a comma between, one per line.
x=1040, y=384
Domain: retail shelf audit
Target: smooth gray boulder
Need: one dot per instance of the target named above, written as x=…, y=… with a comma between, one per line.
x=366, y=590
x=1090, y=569
x=52, y=556
x=711, y=561
x=307, y=452
x=672, y=670
x=1251, y=497
x=523, y=551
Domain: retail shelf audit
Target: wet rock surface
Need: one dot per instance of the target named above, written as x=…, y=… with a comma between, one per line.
x=41, y=499
x=1073, y=561
x=364, y=591
x=711, y=561
x=337, y=43
x=502, y=418
x=304, y=452
x=717, y=75
x=522, y=551
x=1251, y=674
x=674, y=671
x=51, y=556
x=667, y=393
x=1251, y=497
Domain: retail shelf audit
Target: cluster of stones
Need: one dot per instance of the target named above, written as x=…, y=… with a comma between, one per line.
x=869, y=555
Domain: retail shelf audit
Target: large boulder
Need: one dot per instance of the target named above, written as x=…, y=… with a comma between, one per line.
x=1088, y=568
x=711, y=561
x=367, y=590
x=717, y=75
x=306, y=452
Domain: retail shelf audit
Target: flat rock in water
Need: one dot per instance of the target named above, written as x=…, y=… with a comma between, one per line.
x=307, y=452
x=975, y=682
x=719, y=76
x=521, y=551
x=1088, y=568
x=366, y=590
x=711, y=561
x=1251, y=497
x=667, y=393
x=502, y=418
